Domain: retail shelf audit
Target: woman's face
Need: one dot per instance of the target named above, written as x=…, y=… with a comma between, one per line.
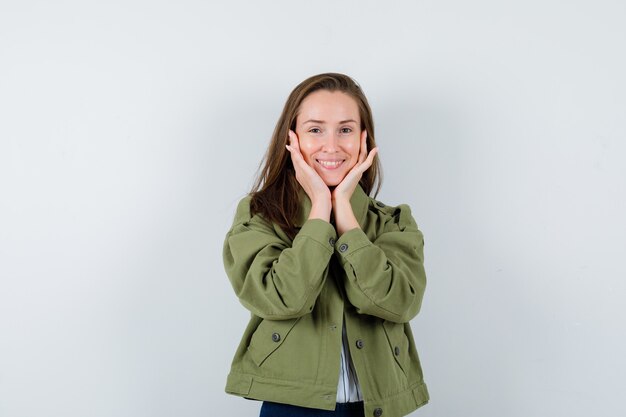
x=329, y=132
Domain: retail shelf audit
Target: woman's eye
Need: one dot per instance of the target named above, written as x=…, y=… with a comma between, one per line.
x=346, y=130
x=314, y=130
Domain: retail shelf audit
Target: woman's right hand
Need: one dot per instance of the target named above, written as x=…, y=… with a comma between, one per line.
x=311, y=182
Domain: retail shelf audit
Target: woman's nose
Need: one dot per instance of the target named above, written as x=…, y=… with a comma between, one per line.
x=330, y=144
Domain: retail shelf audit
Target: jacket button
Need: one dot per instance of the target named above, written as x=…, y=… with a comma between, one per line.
x=396, y=350
x=360, y=344
x=275, y=337
x=378, y=412
x=343, y=247
x=331, y=241
x=379, y=204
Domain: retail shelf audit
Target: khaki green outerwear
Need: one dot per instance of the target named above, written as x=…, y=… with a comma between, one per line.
x=299, y=293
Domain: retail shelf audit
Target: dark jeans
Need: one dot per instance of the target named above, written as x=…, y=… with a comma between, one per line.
x=270, y=409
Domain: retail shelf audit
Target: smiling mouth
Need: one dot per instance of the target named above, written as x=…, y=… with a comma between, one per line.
x=330, y=164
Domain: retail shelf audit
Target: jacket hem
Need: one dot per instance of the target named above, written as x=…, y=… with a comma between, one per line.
x=319, y=396
x=281, y=391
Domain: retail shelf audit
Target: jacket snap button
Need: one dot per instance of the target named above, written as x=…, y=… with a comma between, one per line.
x=378, y=412
x=396, y=350
x=343, y=247
x=331, y=241
x=360, y=344
x=275, y=337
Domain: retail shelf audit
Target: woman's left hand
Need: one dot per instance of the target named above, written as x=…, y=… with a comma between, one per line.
x=344, y=215
x=343, y=190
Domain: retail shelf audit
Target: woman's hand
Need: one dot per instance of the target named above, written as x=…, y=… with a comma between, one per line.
x=344, y=190
x=311, y=182
x=344, y=216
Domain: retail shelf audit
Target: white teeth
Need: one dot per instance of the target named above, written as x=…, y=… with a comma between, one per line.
x=330, y=164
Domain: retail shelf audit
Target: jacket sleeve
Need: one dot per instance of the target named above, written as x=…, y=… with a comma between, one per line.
x=386, y=277
x=274, y=278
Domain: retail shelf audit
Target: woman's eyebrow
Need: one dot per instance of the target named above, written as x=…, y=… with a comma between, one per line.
x=322, y=122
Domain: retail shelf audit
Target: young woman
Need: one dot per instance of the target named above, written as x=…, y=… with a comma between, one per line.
x=331, y=275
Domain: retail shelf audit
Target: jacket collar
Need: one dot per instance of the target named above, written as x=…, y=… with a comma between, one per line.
x=359, y=202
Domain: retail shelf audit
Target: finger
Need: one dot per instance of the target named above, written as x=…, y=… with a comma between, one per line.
x=294, y=142
x=290, y=140
x=370, y=158
x=363, y=150
x=360, y=169
x=297, y=159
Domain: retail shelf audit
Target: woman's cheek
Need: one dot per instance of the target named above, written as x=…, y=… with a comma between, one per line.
x=306, y=147
x=352, y=148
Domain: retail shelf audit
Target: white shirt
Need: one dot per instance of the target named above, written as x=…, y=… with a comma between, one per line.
x=348, y=389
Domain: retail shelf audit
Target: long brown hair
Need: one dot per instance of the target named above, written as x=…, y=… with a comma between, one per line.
x=275, y=193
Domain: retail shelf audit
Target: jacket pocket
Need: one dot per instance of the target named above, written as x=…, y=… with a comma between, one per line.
x=268, y=337
x=398, y=344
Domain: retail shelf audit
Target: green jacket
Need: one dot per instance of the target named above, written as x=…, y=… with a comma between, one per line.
x=300, y=291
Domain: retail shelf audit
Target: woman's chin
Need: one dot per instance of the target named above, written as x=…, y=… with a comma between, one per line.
x=332, y=182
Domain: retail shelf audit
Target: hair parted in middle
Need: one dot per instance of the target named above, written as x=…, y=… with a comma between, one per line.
x=275, y=193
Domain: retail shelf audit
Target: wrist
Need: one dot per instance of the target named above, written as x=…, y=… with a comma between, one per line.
x=321, y=210
x=341, y=202
x=344, y=216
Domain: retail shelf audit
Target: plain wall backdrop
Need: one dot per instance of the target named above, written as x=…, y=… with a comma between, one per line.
x=130, y=129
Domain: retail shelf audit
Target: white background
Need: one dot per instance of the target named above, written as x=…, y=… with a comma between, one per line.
x=130, y=129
